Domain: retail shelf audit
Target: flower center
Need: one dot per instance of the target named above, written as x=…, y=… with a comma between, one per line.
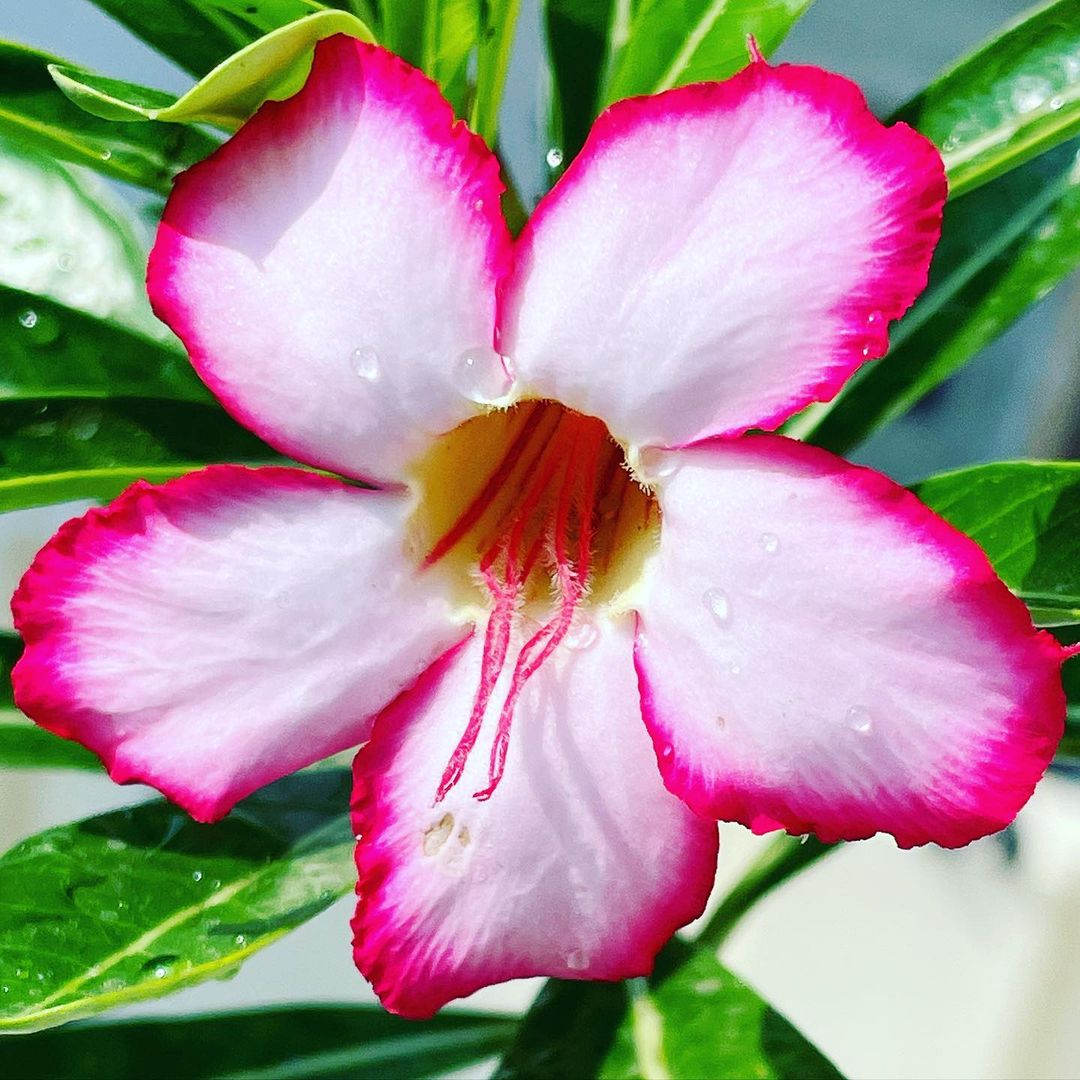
x=533, y=512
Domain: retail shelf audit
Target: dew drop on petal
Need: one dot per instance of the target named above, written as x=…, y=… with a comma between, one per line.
x=554, y=157
x=858, y=719
x=873, y=318
x=581, y=636
x=734, y=667
x=717, y=605
x=483, y=376
x=578, y=960
x=655, y=464
x=65, y=262
x=365, y=363
x=666, y=751
x=770, y=543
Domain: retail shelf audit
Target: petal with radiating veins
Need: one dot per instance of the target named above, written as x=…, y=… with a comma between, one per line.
x=579, y=866
x=819, y=652
x=213, y=634
x=720, y=255
x=330, y=267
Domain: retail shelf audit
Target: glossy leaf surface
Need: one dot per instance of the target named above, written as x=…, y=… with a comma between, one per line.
x=138, y=903
x=691, y=1018
x=274, y=66
x=1016, y=96
x=1002, y=249
x=1026, y=516
x=36, y=113
x=297, y=1042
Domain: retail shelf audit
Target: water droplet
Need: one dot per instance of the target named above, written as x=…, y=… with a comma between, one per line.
x=554, y=157
x=21, y=973
x=65, y=262
x=82, y=422
x=5, y=989
x=196, y=875
x=483, y=376
x=1056, y=102
x=160, y=971
x=858, y=719
x=717, y=605
x=106, y=155
x=581, y=636
x=666, y=751
x=578, y=960
x=804, y=839
x=949, y=144
x=478, y=206
x=734, y=667
x=770, y=543
x=216, y=883
x=873, y=318
x=28, y=319
x=40, y=976
x=707, y=986
x=41, y=327
x=655, y=463
x=866, y=350
x=240, y=939
x=365, y=363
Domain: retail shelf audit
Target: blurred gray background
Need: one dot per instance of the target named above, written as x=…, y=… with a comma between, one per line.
x=899, y=964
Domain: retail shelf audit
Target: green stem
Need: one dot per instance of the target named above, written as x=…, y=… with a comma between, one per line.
x=785, y=857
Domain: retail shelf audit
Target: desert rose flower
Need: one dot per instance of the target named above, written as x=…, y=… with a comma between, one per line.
x=580, y=610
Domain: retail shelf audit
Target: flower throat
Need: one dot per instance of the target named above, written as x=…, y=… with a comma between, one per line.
x=535, y=507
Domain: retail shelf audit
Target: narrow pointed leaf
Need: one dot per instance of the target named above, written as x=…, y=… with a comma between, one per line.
x=35, y=112
x=198, y=34
x=274, y=66
x=313, y=1042
x=497, y=26
x=1016, y=96
x=1026, y=516
x=451, y=36
x=672, y=44
x=691, y=1018
x=55, y=450
x=1003, y=248
x=138, y=903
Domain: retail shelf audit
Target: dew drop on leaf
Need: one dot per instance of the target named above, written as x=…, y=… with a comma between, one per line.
x=554, y=158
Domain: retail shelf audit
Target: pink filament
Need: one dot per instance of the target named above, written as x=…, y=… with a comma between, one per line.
x=505, y=574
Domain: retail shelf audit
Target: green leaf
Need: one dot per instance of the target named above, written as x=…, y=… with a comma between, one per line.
x=74, y=448
x=138, y=903
x=1026, y=516
x=451, y=34
x=274, y=66
x=1003, y=248
x=691, y=1018
x=22, y=745
x=305, y=1042
x=34, y=111
x=672, y=44
x=1015, y=97
x=582, y=35
x=53, y=351
x=199, y=34
x=498, y=22
x=66, y=238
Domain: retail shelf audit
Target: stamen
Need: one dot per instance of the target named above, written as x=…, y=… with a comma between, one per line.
x=557, y=508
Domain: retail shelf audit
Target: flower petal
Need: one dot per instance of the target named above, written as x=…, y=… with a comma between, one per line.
x=327, y=265
x=215, y=633
x=580, y=865
x=720, y=255
x=820, y=652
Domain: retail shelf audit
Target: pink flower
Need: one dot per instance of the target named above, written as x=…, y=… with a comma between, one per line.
x=557, y=545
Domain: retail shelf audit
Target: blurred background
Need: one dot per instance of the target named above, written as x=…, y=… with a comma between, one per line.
x=897, y=964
